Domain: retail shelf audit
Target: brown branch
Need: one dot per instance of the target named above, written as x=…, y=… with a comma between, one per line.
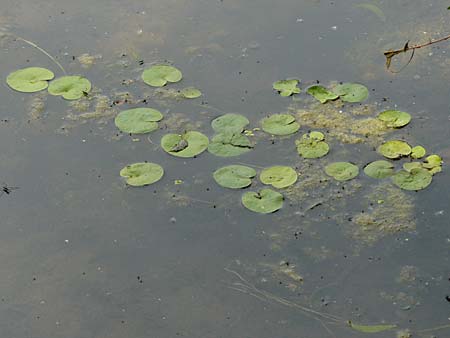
x=389, y=54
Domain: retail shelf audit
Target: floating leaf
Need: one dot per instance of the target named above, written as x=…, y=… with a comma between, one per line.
x=159, y=75
x=29, y=80
x=351, y=92
x=342, y=171
x=265, y=201
x=371, y=328
x=188, y=144
x=234, y=176
x=418, y=152
x=379, y=169
x=394, y=149
x=229, y=123
x=70, y=87
x=191, y=93
x=139, y=174
x=322, y=94
x=138, y=120
x=416, y=179
x=280, y=124
x=311, y=145
x=412, y=165
x=278, y=176
x=229, y=144
x=433, y=163
x=286, y=87
x=394, y=118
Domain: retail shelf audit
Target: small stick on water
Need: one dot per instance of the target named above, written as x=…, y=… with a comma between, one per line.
x=389, y=54
x=42, y=50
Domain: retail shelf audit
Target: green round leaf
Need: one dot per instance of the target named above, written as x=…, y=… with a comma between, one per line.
x=432, y=161
x=29, y=80
x=234, y=176
x=70, y=87
x=188, y=144
x=229, y=123
x=394, y=118
x=286, y=87
x=278, y=176
x=159, y=75
x=322, y=94
x=138, y=120
x=311, y=145
x=412, y=165
x=394, y=149
x=379, y=169
x=280, y=124
x=416, y=179
x=228, y=144
x=139, y=174
x=265, y=201
x=191, y=93
x=418, y=152
x=342, y=171
x=351, y=92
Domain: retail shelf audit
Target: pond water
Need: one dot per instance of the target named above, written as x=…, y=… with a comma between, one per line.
x=85, y=255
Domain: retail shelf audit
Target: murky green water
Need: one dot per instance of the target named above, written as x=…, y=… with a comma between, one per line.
x=82, y=255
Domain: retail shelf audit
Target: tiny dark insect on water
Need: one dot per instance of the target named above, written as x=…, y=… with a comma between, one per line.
x=5, y=189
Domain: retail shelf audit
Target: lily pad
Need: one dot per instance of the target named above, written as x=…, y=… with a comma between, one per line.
x=280, y=124
x=159, y=75
x=379, y=169
x=342, y=171
x=416, y=179
x=287, y=87
x=191, y=93
x=234, y=176
x=229, y=123
x=412, y=165
x=433, y=163
x=265, y=201
x=138, y=120
x=278, y=176
x=229, y=144
x=70, y=87
x=394, y=118
x=139, y=174
x=394, y=149
x=188, y=144
x=351, y=92
x=418, y=152
x=311, y=145
x=29, y=80
x=322, y=94
x=371, y=328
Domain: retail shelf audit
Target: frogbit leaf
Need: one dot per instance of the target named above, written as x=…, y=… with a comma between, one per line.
x=70, y=87
x=159, y=75
x=138, y=120
x=228, y=144
x=191, y=93
x=342, y=171
x=418, y=152
x=265, y=201
x=394, y=118
x=322, y=94
x=189, y=144
x=280, y=124
x=234, y=176
x=286, y=87
x=415, y=179
x=278, y=176
x=394, y=149
x=311, y=145
x=229, y=123
x=29, y=80
x=351, y=92
x=379, y=169
x=433, y=163
x=143, y=173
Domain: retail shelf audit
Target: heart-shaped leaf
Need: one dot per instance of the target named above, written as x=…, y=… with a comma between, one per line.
x=265, y=201
x=70, y=87
x=234, y=176
x=29, y=80
x=188, y=144
x=159, y=75
x=143, y=173
x=138, y=120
